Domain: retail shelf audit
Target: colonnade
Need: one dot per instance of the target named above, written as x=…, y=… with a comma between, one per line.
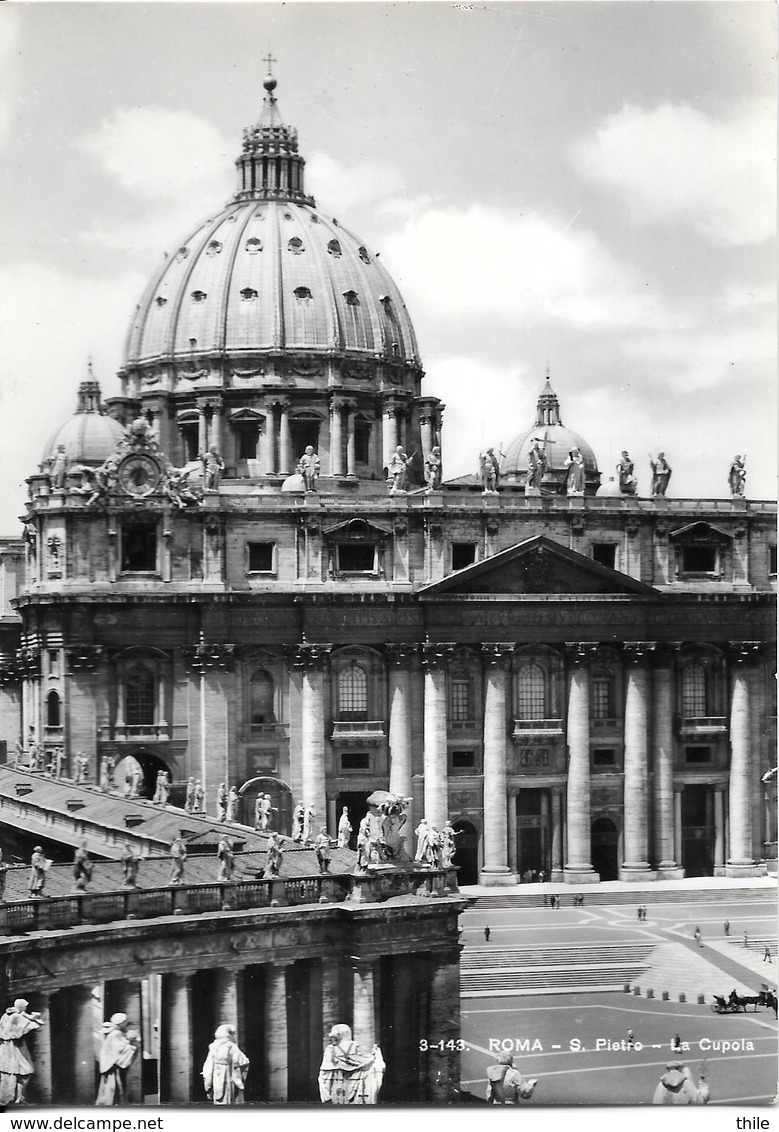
x=282, y=1012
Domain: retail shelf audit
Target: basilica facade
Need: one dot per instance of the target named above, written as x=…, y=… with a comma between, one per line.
x=221, y=576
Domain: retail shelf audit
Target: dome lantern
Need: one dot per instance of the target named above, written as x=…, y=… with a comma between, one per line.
x=270, y=167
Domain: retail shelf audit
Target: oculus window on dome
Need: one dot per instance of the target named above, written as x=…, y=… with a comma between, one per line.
x=253, y=245
x=296, y=246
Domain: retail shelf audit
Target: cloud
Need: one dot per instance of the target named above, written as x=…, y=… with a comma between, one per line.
x=516, y=267
x=154, y=153
x=75, y=317
x=705, y=358
x=338, y=185
x=9, y=37
x=716, y=173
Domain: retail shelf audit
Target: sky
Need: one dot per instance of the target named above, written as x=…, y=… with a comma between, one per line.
x=588, y=187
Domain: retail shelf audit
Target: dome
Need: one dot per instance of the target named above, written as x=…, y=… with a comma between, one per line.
x=89, y=435
x=557, y=442
x=610, y=489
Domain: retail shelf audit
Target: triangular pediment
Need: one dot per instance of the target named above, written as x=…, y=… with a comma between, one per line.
x=537, y=566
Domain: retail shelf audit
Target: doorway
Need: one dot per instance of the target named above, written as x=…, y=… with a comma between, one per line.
x=697, y=831
x=605, y=848
x=466, y=854
x=533, y=842
x=280, y=799
x=357, y=805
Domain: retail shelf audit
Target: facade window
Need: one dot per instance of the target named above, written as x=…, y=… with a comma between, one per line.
x=463, y=760
x=699, y=559
x=139, y=547
x=304, y=432
x=460, y=699
x=261, y=699
x=139, y=697
x=604, y=756
x=603, y=696
x=352, y=693
x=362, y=442
x=54, y=662
x=247, y=436
x=261, y=556
x=356, y=558
x=605, y=553
x=463, y=554
x=53, y=710
x=697, y=755
x=189, y=439
x=694, y=691
x=531, y=687
x=355, y=760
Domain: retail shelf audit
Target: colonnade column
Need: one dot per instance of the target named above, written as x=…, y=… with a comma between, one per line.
x=434, y=658
x=390, y=436
x=41, y=1084
x=678, y=824
x=228, y=999
x=557, y=833
x=351, y=464
x=719, y=827
x=364, y=1003
x=636, y=779
x=426, y=426
x=82, y=1037
x=312, y=659
x=202, y=429
x=740, y=858
x=286, y=463
x=443, y=1080
x=496, y=869
x=336, y=438
x=400, y=660
x=269, y=448
x=276, y=1031
x=176, y=1071
x=129, y=1002
x=578, y=866
x=215, y=428
x=662, y=719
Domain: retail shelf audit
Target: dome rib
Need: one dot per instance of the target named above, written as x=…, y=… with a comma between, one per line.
x=206, y=233
x=229, y=298
x=335, y=335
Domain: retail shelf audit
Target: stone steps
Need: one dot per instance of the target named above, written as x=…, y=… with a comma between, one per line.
x=535, y=899
x=547, y=970
x=523, y=958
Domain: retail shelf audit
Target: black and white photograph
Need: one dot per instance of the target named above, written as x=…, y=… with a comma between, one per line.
x=388, y=558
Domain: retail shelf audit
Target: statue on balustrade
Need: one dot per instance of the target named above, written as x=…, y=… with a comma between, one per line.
x=16, y=1064
x=489, y=472
x=427, y=844
x=226, y=859
x=225, y=1068
x=536, y=464
x=433, y=469
x=178, y=854
x=309, y=468
x=118, y=1050
x=135, y=779
x=199, y=806
x=37, y=756
x=347, y=1074
x=323, y=848
x=737, y=476
x=661, y=474
x=58, y=468
x=213, y=466
x=178, y=490
x=189, y=796
x=344, y=829
x=82, y=867
x=398, y=469
x=364, y=844
x=82, y=769
x=59, y=762
x=275, y=856
x=263, y=812
x=162, y=788
x=221, y=802
x=233, y=801
x=105, y=775
x=448, y=847
x=298, y=821
x=19, y=752
x=574, y=481
x=131, y=864
x=39, y=866
x=627, y=480
x=3, y=871
x=308, y=824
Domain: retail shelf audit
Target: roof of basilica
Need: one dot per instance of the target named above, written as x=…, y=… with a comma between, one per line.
x=269, y=273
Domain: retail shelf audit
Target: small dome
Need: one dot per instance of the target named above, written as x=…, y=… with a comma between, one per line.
x=89, y=436
x=610, y=489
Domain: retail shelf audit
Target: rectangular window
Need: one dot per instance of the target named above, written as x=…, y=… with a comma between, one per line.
x=699, y=559
x=189, y=435
x=772, y=561
x=697, y=755
x=356, y=558
x=605, y=553
x=54, y=662
x=602, y=699
x=604, y=756
x=362, y=442
x=463, y=554
x=355, y=760
x=139, y=547
x=261, y=557
x=460, y=699
x=247, y=436
x=463, y=760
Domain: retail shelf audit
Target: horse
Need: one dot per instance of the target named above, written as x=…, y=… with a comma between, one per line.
x=768, y=998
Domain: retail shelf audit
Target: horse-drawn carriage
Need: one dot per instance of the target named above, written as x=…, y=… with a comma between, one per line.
x=735, y=1003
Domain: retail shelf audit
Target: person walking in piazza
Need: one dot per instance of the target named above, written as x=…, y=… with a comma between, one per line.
x=39, y=866
x=298, y=820
x=189, y=797
x=82, y=867
x=767, y=954
x=130, y=864
x=118, y=1050
x=344, y=829
x=225, y=1068
x=178, y=854
x=698, y=937
x=221, y=802
x=199, y=805
x=726, y=927
x=309, y=464
x=323, y=850
x=226, y=858
x=16, y=1063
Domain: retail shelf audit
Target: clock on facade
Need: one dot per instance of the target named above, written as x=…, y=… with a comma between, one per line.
x=138, y=474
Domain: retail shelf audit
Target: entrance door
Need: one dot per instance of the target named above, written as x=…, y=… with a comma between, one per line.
x=605, y=848
x=697, y=834
x=533, y=847
x=466, y=854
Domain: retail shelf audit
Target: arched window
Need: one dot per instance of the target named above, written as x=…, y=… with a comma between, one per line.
x=603, y=697
x=531, y=688
x=460, y=698
x=352, y=693
x=139, y=697
x=261, y=706
x=53, y=710
x=694, y=691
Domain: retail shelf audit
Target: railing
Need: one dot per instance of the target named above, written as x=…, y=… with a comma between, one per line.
x=469, y=725
x=267, y=730
x=544, y=726
x=702, y=725
x=151, y=732
x=57, y=912
x=362, y=727
x=605, y=723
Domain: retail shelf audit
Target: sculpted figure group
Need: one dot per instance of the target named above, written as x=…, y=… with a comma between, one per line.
x=436, y=848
